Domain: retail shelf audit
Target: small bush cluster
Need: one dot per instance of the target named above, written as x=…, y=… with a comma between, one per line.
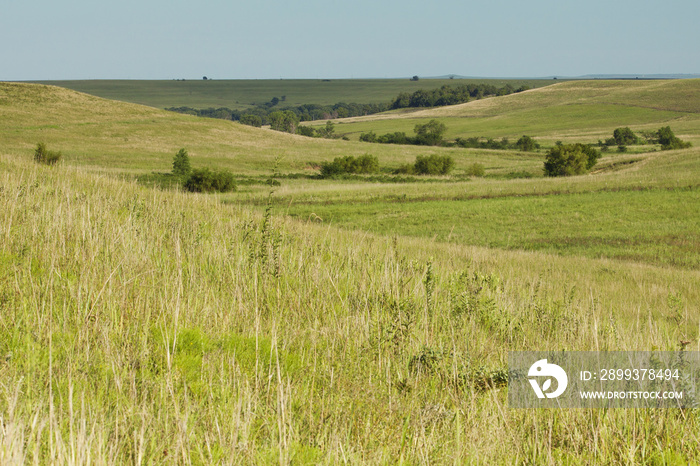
x=428, y=165
x=427, y=134
x=570, y=159
x=45, y=156
x=204, y=180
x=364, y=164
x=623, y=137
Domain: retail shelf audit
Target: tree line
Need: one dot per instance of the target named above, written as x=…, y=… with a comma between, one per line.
x=451, y=95
x=261, y=113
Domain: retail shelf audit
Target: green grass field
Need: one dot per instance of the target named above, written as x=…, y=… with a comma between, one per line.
x=243, y=93
x=332, y=321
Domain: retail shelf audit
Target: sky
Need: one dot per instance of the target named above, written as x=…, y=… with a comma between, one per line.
x=273, y=39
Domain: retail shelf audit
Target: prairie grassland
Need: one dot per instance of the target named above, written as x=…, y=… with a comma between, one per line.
x=244, y=93
x=582, y=110
x=147, y=326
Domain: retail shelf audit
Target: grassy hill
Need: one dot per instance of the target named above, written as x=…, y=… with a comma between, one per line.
x=140, y=325
x=586, y=110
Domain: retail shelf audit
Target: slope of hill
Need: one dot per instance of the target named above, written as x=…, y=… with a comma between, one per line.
x=587, y=108
x=108, y=134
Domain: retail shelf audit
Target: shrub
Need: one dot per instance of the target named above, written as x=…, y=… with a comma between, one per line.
x=251, y=120
x=181, y=164
x=433, y=165
x=624, y=137
x=526, y=144
x=364, y=164
x=45, y=156
x=205, y=180
x=669, y=141
x=430, y=134
x=307, y=131
x=368, y=137
x=476, y=169
x=570, y=159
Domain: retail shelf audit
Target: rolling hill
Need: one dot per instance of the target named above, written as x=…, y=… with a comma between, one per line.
x=150, y=326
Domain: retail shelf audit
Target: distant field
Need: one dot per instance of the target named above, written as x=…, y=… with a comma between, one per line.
x=242, y=93
x=584, y=110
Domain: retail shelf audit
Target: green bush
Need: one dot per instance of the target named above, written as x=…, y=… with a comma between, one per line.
x=624, y=137
x=251, y=120
x=45, y=156
x=433, y=165
x=364, y=164
x=570, y=159
x=476, y=169
x=527, y=144
x=669, y=141
x=204, y=180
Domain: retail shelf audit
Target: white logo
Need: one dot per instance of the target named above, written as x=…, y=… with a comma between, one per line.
x=542, y=369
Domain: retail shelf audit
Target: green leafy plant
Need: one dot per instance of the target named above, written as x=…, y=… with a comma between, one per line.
x=45, y=156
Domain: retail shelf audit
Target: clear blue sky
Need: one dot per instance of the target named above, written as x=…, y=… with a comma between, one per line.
x=169, y=39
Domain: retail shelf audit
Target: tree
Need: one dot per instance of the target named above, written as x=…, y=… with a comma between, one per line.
x=415, y=78
x=283, y=120
x=430, y=134
x=526, y=144
x=668, y=139
x=624, y=137
x=181, y=163
x=570, y=159
x=251, y=120
x=327, y=131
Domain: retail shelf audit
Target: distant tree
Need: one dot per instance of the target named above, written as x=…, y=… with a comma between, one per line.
x=430, y=134
x=570, y=159
x=181, y=163
x=251, y=120
x=526, y=144
x=368, y=137
x=327, y=131
x=275, y=101
x=624, y=137
x=284, y=120
x=204, y=78
x=307, y=131
x=668, y=139
x=415, y=78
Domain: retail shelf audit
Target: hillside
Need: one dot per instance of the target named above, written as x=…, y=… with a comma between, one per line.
x=107, y=134
x=149, y=326
x=577, y=108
